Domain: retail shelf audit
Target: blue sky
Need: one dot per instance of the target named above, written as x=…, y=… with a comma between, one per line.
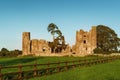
x=17, y=16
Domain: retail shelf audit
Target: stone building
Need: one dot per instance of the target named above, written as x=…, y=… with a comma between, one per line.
x=26, y=48
x=85, y=42
x=34, y=46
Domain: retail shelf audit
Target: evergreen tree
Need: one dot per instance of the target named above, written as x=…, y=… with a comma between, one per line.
x=59, y=41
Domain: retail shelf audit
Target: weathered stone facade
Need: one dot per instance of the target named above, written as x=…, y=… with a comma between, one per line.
x=26, y=43
x=85, y=42
x=34, y=46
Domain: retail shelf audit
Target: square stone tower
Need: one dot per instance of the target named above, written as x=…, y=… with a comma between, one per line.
x=85, y=42
x=26, y=43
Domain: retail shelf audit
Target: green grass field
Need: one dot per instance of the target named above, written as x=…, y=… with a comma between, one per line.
x=107, y=71
x=32, y=60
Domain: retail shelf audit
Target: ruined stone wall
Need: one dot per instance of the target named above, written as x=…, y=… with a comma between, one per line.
x=26, y=43
x=43, y=47
x=94, y=38
x=85, y=42
x=34, y=46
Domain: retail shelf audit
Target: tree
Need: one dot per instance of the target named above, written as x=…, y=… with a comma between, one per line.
x=4, y=52
x=59, y=41
x=107, y=40
x=15, y=52
x=58, y=32
x=52, y=28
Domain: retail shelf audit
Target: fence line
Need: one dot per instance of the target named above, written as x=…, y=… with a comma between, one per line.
x=50, y=68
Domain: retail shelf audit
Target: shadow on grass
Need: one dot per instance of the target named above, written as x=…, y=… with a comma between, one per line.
x=18, y=61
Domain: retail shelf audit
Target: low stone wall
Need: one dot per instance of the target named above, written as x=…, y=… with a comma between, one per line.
x=105, y=55
x=54, y=54
x=59, y=54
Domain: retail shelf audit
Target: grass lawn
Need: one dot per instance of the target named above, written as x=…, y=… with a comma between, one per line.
x=107, y=71
x=32, y=60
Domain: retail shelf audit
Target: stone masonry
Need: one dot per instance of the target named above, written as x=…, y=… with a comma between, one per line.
x=26, y=43
x=85, y=42
x=34, y=46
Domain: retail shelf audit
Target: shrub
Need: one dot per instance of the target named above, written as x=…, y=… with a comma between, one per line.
x=97, y=50
x=6, y=53
x=101, y=51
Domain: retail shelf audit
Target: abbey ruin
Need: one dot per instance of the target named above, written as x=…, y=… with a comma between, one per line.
x=86, y=42
x=84, y=45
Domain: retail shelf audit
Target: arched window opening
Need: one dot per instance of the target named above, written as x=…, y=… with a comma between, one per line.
x=84, y=41
x=84, y=35
x=43, y=49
